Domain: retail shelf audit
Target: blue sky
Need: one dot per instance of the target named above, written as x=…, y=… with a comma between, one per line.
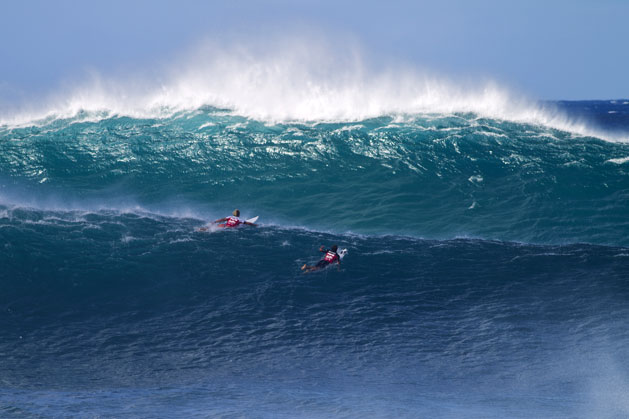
x=553, y=49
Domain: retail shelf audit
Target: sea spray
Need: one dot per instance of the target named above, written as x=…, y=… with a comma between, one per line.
x=487, y=273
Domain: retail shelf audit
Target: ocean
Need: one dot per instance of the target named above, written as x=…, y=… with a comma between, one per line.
x=487, y=273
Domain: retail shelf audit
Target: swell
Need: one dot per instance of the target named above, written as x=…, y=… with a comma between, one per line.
x=97, y=301
x=126, y=292
x=431, y=176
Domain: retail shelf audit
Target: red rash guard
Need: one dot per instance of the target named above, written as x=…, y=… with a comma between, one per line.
x=330, y=256
x=232, y=222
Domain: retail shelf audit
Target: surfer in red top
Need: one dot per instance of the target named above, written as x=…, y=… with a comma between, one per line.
x=231, y=221
x=330, y=257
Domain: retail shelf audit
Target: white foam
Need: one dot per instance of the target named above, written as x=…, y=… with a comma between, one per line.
x=621, y=160
x=301, y=80
x=74, y=209
x=127, y=239
x=475, y=179
x=207, y=124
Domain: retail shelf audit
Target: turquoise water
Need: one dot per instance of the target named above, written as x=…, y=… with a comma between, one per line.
x=430, y=176
x=486, y=275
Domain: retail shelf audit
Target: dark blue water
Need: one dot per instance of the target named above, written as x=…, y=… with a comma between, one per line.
x=610, y=115
x=487, y=273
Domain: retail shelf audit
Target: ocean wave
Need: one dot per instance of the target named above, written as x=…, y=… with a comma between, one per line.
x=285, y=84
x=433, y=177
x=150, y=303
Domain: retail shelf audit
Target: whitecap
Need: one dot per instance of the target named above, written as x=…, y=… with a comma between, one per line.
x=127, y=239
x=302, y=80
x=621, y=160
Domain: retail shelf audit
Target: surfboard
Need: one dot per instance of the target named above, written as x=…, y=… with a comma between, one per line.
x=253, y=220
x=342, y=253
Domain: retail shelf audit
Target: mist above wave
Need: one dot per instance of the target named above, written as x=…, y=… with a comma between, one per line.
x=286, y=81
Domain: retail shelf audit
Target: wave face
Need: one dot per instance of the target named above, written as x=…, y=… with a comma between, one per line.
x=487, y=257
x=430, y=176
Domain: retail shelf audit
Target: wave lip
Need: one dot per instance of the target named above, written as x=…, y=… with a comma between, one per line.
x=288, y=85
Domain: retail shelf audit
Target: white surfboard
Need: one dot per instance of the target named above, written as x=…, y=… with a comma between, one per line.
x=342, y=253
x=253, y=220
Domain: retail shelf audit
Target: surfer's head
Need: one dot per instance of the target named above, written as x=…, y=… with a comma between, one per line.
x=236, y=213
x=334, y=248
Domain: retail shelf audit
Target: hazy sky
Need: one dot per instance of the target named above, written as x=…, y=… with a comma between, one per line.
x=551, y=49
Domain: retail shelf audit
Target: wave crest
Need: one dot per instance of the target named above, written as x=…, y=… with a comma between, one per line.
x=292, y=81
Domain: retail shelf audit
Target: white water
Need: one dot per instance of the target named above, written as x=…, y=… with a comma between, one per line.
x=288, y=81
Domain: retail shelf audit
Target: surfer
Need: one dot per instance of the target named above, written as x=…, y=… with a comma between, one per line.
x=330, y=257
x=232, y=221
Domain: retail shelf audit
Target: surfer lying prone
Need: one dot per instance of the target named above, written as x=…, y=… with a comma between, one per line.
x=330, y=257
x=232, y=221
